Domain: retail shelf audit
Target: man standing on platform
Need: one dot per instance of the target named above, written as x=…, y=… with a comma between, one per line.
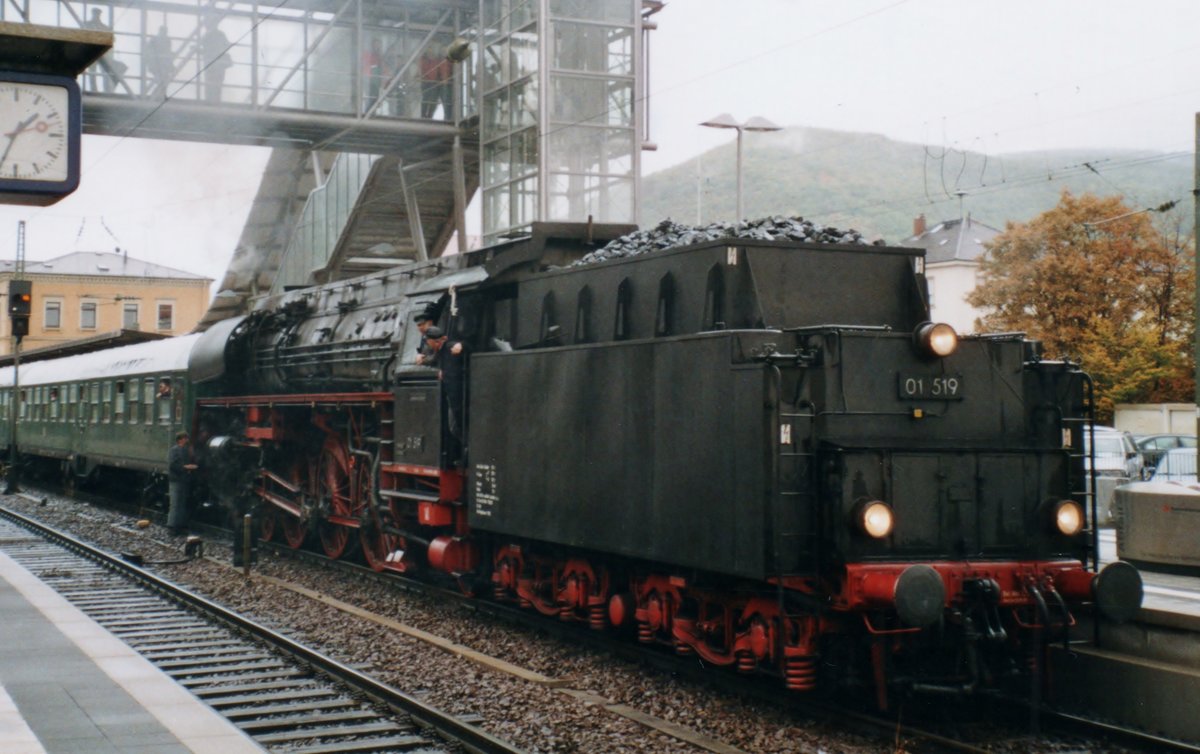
x=179, y=466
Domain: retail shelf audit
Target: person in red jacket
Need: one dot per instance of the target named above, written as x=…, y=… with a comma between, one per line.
x=436, y=76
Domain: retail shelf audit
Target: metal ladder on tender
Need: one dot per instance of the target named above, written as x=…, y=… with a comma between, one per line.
x=799, y=670
x=1085, y=488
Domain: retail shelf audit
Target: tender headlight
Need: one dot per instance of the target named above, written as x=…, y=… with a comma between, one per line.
x=1068, y=517
x=875, y=519
x=937, y=339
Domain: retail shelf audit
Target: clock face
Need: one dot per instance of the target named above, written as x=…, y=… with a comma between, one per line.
x=41, y=121
x=33, y=131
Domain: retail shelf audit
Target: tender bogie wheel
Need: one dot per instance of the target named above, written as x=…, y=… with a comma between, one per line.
x=335, y=492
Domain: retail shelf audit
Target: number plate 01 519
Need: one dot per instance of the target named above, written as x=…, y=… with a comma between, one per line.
x=941, y=387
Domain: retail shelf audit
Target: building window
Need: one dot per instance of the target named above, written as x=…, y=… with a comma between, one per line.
x=53, y=314
x=87, y=315
x=129, y=316
x=166, y=316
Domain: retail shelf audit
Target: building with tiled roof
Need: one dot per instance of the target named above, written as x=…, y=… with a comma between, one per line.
x=87, y=293
x=953, y=250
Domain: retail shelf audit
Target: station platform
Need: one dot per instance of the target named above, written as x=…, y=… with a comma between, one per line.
x=67, y=685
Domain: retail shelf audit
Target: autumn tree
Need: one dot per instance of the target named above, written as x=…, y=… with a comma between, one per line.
x=1099, y=283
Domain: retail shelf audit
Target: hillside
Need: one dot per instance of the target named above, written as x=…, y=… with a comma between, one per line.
x=877, y=186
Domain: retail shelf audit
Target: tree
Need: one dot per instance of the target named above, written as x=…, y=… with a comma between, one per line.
x=1097, y=282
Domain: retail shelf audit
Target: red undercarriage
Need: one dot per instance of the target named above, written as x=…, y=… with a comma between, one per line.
x=418, y=509
x=752, y=632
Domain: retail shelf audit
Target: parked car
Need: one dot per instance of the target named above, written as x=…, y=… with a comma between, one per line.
x=1116, y=454
x=1117, y=462
x=1154, y=447
x=1176, y=465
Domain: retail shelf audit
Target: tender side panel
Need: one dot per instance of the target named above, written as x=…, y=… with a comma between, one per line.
x=647, y=449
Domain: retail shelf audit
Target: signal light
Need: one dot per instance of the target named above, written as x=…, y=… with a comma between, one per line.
x=20, y=306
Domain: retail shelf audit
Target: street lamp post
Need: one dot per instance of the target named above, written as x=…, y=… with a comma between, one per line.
x=757, y=123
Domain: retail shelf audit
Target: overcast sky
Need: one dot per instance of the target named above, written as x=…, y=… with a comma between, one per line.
x=991, y=76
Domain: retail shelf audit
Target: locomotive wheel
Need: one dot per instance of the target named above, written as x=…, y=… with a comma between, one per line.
x=377, y=545
x=334, y=491
x=268, y=523
x=294, y=531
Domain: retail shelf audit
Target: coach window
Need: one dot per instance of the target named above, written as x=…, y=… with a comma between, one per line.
x=133, y=400
x=23, y=410
x=664, y=318
x=621, y=327
x=714, y=299
x=87, y=315
x=583, y=316
x=94, y=410
x=55, y=414
x=106, y=402
x=119, y=402
x=148, y=399
x=164, y=401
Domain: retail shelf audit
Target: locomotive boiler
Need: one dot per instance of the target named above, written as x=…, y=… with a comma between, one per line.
x=754, y=448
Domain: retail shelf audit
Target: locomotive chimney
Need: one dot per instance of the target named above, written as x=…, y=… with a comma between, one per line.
x=918, y=225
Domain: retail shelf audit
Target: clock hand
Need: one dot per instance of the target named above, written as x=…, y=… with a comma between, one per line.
x=12, y=137
x=22, y=126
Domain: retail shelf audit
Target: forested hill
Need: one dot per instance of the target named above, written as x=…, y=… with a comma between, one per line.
x=877, y=186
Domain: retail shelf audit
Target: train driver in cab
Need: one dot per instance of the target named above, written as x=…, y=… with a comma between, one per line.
x=449, y=356
x=424, y=320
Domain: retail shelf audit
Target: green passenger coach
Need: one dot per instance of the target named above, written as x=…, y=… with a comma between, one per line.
x=118, y=409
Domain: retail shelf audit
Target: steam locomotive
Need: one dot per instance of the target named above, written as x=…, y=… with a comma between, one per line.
x=759, y=452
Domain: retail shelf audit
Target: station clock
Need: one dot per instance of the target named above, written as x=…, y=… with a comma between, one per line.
x=40, y=126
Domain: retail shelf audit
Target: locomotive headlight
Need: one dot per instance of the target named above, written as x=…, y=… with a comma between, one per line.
x=1068, y=517
x=937, y=339
x=875, y=519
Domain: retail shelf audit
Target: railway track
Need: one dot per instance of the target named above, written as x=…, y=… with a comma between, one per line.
x=285, y=696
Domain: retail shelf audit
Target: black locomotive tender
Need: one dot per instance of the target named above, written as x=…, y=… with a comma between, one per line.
x=757, y=451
